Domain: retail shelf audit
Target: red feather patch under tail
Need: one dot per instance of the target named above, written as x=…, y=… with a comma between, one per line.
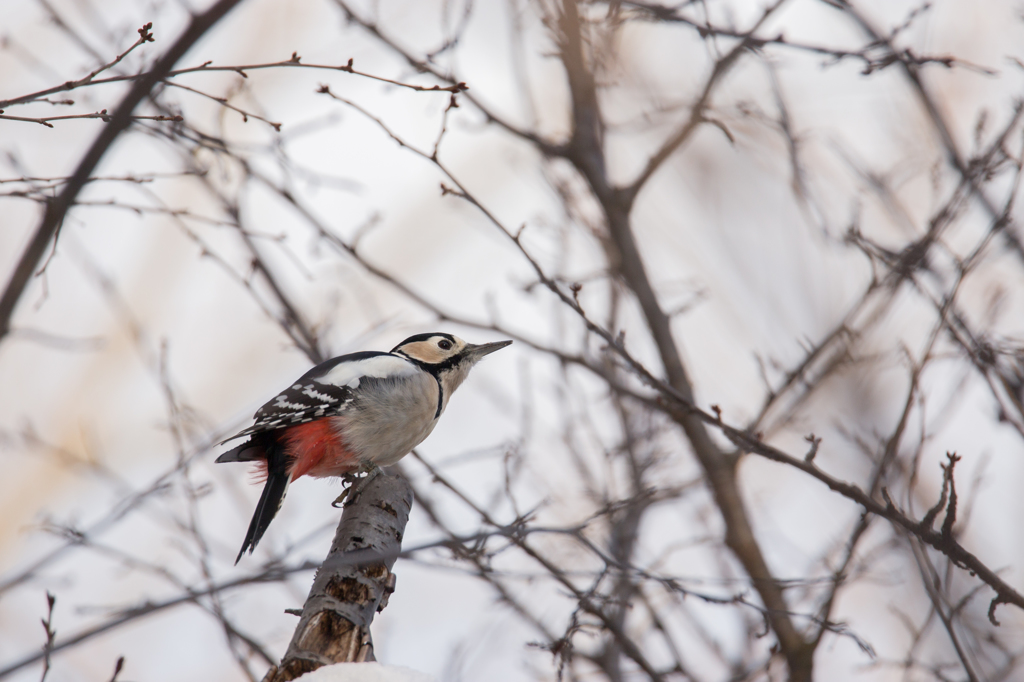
x=317, y=450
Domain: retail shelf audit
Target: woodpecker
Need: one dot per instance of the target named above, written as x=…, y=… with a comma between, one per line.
x=352, y=414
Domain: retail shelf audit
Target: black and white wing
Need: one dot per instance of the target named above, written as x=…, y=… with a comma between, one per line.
x=327, y=390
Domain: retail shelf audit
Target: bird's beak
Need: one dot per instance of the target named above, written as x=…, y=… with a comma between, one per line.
x=478, y=351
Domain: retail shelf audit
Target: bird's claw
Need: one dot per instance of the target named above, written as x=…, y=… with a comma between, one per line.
x=355, y=487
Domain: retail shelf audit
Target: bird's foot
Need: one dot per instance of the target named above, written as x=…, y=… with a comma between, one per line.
x=356, y=485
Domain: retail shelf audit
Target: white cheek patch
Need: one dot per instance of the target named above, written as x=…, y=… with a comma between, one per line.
x=425, y=351
x=348, y=374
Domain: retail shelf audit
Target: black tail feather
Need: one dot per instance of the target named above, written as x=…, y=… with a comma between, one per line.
x=248, y=451
x=270, y=501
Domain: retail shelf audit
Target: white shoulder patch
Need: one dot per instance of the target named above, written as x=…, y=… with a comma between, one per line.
x=379, y=366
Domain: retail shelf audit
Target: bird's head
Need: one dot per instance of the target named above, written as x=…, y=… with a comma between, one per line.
x=446, y=356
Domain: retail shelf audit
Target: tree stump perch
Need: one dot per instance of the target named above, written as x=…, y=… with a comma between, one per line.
x=353, y=583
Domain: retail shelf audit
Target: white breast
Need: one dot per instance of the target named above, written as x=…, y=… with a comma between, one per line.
x=390, y=416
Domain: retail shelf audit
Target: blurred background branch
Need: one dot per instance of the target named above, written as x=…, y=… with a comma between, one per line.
x=762, y=263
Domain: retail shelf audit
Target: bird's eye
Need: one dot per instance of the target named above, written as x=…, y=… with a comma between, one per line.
x=444, y=344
